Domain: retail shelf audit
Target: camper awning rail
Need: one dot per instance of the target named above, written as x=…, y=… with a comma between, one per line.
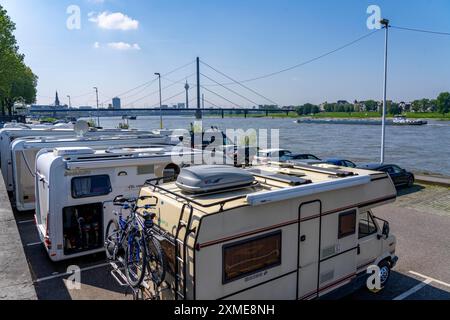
x=306, y=167
x=117, y=162
x=306, y=190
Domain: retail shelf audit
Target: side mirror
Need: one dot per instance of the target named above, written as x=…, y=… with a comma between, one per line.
x=386, y=229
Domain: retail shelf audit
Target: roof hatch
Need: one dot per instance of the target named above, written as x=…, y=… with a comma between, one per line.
x=60, y=152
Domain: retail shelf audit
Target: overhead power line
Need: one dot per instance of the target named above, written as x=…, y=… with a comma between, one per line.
x=422, y=31
x=307, y=61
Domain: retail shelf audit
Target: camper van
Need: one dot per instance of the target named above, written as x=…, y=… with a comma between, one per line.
x=75, y=188
x=7, y=136
x=24, y=151
x=275, y=231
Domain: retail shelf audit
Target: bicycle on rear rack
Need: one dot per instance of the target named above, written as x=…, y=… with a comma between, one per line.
x=131, y=242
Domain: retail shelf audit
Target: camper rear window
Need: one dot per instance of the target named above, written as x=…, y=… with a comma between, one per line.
x=347, y=224
x=250, y=256
x=93, y=186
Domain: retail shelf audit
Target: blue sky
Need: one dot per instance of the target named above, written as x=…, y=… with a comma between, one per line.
x=244, y=39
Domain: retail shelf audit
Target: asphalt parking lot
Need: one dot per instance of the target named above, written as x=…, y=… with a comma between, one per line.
x=420, y=219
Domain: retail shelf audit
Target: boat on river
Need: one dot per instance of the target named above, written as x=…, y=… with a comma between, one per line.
x=398, y=120
x=403, y=121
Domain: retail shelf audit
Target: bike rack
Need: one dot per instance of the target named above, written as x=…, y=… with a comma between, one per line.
x=138, y=293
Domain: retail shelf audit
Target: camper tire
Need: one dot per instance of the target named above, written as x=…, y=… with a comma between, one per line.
x=385, y=272
x=112, y=227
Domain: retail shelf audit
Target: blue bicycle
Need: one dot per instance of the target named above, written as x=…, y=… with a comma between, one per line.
x=130, y=241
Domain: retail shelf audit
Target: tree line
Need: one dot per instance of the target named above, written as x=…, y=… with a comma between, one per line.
x=17, y=81
x=441, y=104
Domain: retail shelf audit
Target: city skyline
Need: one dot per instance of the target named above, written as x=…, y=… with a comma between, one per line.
x=120, y=45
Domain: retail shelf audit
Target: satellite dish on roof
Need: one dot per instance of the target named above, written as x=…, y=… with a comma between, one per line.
x=81, y=127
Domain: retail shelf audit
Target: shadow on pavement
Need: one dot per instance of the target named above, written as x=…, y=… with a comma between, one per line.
x=398, y=284
x=406, y=191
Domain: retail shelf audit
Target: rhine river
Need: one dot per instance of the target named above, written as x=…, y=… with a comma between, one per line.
x=416, y=148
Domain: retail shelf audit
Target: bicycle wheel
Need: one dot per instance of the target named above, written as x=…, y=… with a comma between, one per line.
x=136, y=260
x=156, y=261
x=111, y=239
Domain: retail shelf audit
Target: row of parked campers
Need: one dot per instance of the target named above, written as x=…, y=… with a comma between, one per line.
x=275, y=231
x=270, y=232
x=75, y=188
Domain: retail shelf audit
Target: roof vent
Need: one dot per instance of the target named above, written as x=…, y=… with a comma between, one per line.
x=61, y=152
x=204, y=179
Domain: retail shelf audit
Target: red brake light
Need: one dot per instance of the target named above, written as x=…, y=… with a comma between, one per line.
x=47, y=241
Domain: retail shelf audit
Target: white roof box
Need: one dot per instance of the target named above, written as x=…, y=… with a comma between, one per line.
x=203, y=179
x=74, y=151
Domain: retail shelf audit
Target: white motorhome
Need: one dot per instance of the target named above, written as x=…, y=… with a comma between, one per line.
x=23, y=163
x=75, y=188
x=276, y=231
x=7, y=136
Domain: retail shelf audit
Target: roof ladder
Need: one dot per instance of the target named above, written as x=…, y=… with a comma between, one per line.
x=181, y=253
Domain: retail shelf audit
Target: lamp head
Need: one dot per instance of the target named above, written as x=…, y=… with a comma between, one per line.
x=384, y=22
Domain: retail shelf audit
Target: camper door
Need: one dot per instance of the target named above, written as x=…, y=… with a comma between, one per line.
x=328, y=246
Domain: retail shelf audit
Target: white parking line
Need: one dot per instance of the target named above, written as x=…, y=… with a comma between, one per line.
x=25, y=221
x=429, y=278
x=413, y=290
x=32, y=244
x=60, y=275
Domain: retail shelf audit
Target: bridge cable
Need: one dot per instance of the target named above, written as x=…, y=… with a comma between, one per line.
x=239, y=83
x=236, y=93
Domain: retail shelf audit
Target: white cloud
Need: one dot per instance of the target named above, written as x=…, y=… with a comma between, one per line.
x=123, y=46
x=113, y=21
x=96, y=45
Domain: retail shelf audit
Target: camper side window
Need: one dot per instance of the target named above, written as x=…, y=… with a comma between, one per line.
x=250, y=256
x=93, y=186
x=347, y=224
x=367, y=226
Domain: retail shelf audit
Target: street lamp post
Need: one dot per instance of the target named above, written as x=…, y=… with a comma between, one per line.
x=98, y=114
x=385, y=23
x=160, y=101
x=70, y=103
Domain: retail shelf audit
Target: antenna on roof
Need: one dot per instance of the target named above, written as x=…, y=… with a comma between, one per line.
x=81, y=127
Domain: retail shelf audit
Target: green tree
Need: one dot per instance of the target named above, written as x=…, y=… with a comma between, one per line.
x=425, y=104
x=371, y=105
x=315, y=109
x=393, y=108
x=17, y=81
x=416, y=105
x=443, y=102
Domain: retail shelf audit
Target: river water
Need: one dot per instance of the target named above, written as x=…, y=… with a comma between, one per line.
x=416, y=148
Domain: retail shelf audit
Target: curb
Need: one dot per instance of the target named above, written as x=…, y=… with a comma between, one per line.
x=438, y=181
x=15, y=277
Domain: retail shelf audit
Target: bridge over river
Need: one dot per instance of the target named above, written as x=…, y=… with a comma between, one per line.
x=76, y=113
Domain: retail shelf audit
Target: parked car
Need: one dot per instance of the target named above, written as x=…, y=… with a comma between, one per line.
x=399, y=176
x=282, y=155
x=303, y=156
x=341, y=162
